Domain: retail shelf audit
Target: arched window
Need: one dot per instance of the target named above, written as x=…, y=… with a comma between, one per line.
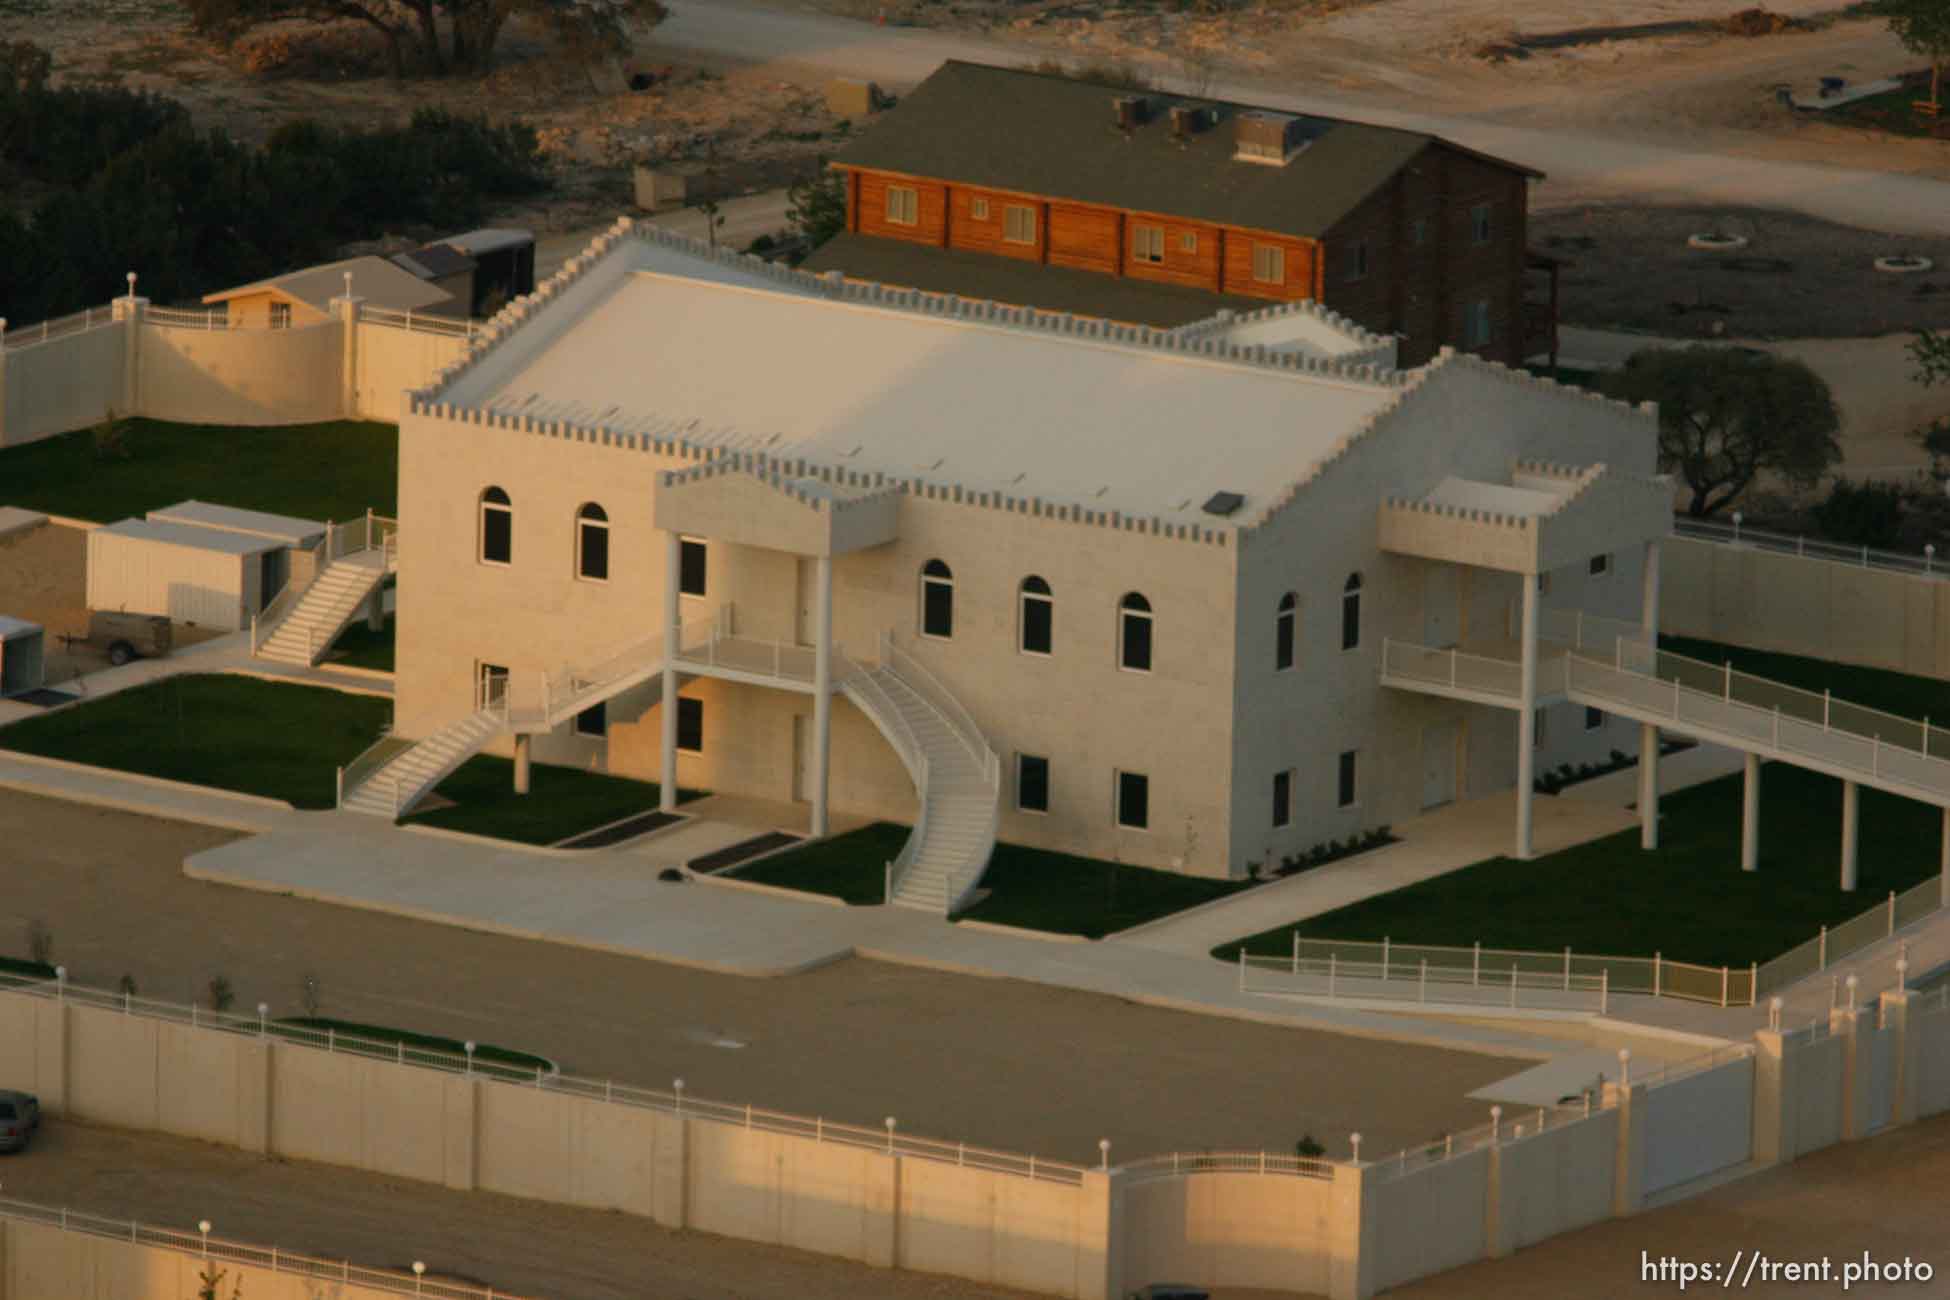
x=1134, y=633
x=1351, y=612
x=592, y=543
x=937, y=600
x=1037, y=617
x=1284, y=626
x=497, y=527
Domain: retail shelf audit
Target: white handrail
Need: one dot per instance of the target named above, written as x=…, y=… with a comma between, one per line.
x=1867, y=557
x=938, y=695
x=265, y=622
x=369, y=760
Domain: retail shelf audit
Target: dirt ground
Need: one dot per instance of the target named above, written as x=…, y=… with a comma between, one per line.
x=1630, y=268
x=1000, y=1063
x=44, y=579
x=478, y=1238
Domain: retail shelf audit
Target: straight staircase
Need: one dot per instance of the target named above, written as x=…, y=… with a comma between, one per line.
x=400, y=779
x=299, y=627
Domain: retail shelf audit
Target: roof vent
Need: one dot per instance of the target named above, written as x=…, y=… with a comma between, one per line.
x=1130, y=111
x=1223, y=504
x=1264, y=137
x=1186, y=119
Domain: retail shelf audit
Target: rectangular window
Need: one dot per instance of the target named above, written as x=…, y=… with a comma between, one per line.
x=1032, y=783
x=1543, y=584
x=1593, y=718
x=978, y=208
x=1539, y=727
x=1418, y=231
x=1188, y=242
x=1148, y=243
x=1357, y=260
x=1018, y=224
x=1133, y=800
x=497, y=534
x=1282, y=798
x=1479, y=224
x=593, y=721
x=690, y=725
x=1135, y=651
x=903, y=205
x=1269, y=264
x=1476, y=323
x=1348, y=790
x=490, y=685
x=1600, y=565
x=691, y=572
x=280, y=315
x=1037, y=610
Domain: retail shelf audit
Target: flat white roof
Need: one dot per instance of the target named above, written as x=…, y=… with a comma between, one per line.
x=191, y=536
x=235, y=519
x=1497, y=498
x=15, y=520
x=762, y=366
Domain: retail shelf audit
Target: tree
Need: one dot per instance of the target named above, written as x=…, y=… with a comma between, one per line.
x=590, y=27
x=1923, y=26
x=817, y=207
x=1727, y=414
x=1930, y=351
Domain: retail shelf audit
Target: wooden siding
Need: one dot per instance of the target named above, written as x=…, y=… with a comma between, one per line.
x=930, y=225
x=1198, y=269
x=1084, y=237
x=985, y=235
x=1299, y=282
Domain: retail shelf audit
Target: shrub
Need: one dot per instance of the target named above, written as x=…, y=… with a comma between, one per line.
x=221, y=994
x=1309, y=1149
x=1861, y=514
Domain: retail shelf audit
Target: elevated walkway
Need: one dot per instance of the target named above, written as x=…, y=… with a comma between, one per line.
x=300, y=626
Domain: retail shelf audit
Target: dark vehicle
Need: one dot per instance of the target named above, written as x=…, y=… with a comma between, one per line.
x=20, y=1115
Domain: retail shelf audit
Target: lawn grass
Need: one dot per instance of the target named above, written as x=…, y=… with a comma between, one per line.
x=1030, y=888
x=431, y=1042
x=851, y=867
x=561, y=801
x=39, y=970
x=1874, y=688
x=360, y=647
x=235, y=733
x=334, y=470
x=1688, y=901
x=1890, y=111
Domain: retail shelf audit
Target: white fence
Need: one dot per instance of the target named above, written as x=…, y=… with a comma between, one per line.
x=420, y=321
x=269, y=1258
x=1867, y=557
x=28, y=336
x=1895, y=913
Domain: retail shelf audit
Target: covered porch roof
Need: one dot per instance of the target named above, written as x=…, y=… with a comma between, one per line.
x=736, y=499
x=1544, y=517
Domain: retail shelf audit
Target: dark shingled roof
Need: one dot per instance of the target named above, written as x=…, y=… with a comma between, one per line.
x=1037, y=133
x=1017, y=283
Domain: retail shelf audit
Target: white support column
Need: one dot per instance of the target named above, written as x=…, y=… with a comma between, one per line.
x=822, y=693
x=673, y=631
x=1943, y=871
x=522, y=743
x=129, y=311
x=1649, y=734
x=1527, y=721
x=1750, y=816
x=347, y=307
x=3, y=411
x=1851, y=822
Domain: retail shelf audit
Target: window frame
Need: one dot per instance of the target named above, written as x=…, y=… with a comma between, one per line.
x=1012, y=212
x=600, y=731
x=1047, y=599
x=945, y=580
x=1119, y=776
x=978, y=208
x=690, y=719
x=1274, y=256
x=1418, y=232
x=1595, y=719
x=1021, y=760
x=505, y=507
x=1599, y=565
x=1540, y=730
x=280, y=315
x=1481, y=230
x=903, y=205
x=1357, y=261
x=584, y=525
x=485, y=672
x=1479, y=331
x=1347, y=779
x=1188, y=242
x=1282, y=798
x=1148, y=245
x=1286, y=634
x=687, y=546
x=1351, y=612
x=1126, y=615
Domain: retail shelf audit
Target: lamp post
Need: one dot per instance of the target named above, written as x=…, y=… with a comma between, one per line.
x=419, y=1274
x=202, y=1225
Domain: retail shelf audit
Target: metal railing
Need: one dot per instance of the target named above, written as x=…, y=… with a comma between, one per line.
x=1865, y=557
x=369, y=760
x=1399, y=971
x=203, y=1246
x=369, y=532
x=421, y=322
x=1832, y=944
x=1182, y=1163
x=1411, y=664
x=214, y=318
x=925, y=684
x=265, y=622
x=27, y=336
x=1502, y=1128
x=885, y=1139
x=1420, y=984
x=767, y=658
x=1590, y=632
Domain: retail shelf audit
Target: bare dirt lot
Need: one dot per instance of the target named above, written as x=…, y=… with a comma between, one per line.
x=1631, y=268
x=517, y=1247
x=996, y=1062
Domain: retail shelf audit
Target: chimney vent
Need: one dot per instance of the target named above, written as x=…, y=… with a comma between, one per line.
x=1130, y=111
x=1269, y=137
x=1186, y=119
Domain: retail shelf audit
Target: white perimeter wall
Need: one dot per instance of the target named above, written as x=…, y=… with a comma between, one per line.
x=39, y=1262
x=391, y=360
x=1698, y=1124
x=1270, y=1231
x=241, y=376
x=64, y=384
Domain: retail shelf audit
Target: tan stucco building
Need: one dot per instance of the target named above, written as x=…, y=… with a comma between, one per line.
x=1178, y=598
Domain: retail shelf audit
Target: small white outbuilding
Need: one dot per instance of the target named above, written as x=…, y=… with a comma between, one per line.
x=293, y=534
x=23, y=662
x=205, y=576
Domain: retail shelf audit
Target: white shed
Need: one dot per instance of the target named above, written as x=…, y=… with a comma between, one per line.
x=205, y=576
x=303, y=534
x=23, y=664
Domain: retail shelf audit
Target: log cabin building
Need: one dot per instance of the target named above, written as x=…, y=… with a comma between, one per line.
x=1157, y=209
